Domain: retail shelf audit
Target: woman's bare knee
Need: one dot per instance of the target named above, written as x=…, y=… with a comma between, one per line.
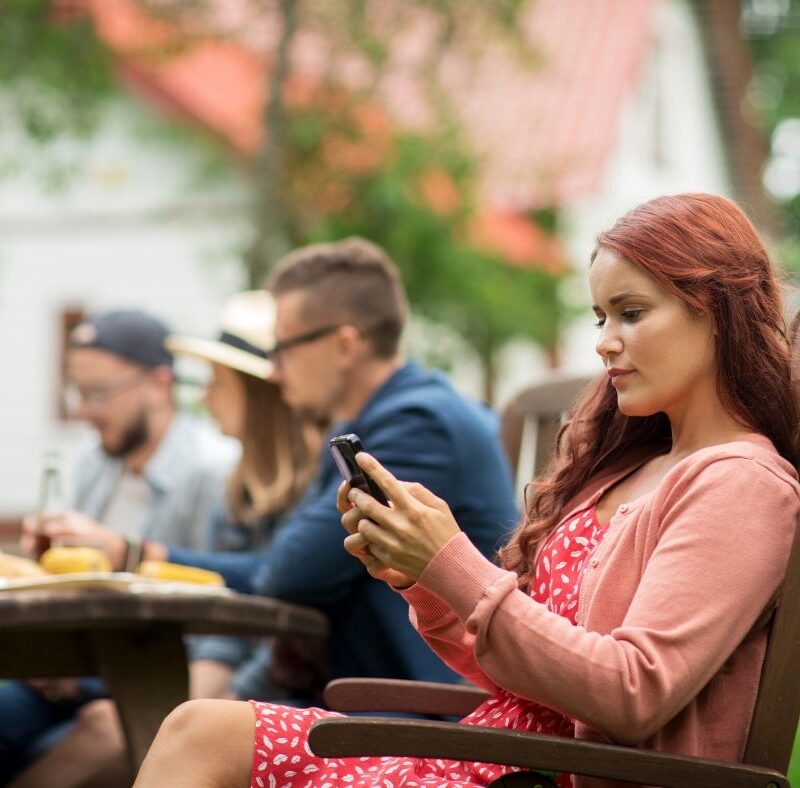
x=202, y=743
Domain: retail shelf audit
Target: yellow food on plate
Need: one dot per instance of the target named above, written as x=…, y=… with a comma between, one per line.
x=12, y=566
x=69, y=560
x=163, y=570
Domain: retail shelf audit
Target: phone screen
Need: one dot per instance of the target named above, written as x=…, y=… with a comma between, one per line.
x=344, y=449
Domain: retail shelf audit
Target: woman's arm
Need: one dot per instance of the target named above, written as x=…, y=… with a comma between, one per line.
x=446, y=634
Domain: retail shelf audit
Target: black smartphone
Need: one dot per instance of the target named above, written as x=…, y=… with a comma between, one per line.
x=344, y=449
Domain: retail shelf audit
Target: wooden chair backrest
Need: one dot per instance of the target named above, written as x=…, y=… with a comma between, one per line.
x=777, y=710
x=530, y=424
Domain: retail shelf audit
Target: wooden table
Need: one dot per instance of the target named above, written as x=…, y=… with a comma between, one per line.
x=134, y=641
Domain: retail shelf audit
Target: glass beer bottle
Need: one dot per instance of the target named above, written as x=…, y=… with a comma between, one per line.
x=51, y=502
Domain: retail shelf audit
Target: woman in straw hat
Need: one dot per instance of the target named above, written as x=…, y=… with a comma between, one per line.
x=277, y=461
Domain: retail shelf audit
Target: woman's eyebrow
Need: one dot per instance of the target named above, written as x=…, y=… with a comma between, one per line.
x=615, y=299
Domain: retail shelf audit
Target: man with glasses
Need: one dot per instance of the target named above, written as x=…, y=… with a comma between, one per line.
x=154, y=473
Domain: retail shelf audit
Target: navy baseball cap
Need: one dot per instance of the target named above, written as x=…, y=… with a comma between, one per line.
x=128, y=333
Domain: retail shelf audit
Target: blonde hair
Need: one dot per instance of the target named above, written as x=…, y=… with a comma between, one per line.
x=279, y=450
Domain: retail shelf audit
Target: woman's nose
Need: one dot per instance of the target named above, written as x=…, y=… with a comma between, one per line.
x=608, y=343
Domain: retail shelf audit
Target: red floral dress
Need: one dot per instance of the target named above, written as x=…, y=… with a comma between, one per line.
x=282, y=758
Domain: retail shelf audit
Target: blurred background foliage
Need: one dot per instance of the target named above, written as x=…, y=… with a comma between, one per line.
x=331, y=163
x=55, y=73
x=772, y=28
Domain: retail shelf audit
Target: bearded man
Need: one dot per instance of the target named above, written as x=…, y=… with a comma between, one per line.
x=152, y=473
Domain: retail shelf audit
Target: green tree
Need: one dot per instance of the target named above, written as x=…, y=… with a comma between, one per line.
x=417, y=203
x=773, y=32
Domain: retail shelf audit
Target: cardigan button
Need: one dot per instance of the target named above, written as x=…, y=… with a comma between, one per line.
x=594, y=562
x=623, y=508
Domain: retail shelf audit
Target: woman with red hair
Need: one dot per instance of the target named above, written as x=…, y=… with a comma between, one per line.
x=630, y=603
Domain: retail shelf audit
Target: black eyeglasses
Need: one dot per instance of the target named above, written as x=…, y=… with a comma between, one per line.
x=300, y=339
x=98, y=395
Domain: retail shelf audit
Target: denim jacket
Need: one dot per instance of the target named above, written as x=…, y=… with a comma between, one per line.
x=185, y=476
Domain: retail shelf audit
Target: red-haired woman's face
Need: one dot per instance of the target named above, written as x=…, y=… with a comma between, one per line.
x=660, y=356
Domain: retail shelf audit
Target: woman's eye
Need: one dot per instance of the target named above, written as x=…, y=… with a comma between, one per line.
x=631, y=314
x=601, y=321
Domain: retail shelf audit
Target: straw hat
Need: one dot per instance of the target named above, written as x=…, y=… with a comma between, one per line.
x=247, y=332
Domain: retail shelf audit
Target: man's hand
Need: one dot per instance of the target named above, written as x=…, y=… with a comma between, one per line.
x=75, y=529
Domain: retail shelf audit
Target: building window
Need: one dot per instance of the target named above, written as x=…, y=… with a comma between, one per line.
x=68, y=319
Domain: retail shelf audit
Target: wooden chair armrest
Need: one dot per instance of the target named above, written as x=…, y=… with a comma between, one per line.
x=413, y=697
x=350, y=737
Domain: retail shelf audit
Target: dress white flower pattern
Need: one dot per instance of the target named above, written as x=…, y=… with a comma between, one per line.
x=282, y=758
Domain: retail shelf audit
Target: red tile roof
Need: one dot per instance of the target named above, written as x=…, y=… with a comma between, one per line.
x=216, y=83
x=547, y=133
x=519, y=240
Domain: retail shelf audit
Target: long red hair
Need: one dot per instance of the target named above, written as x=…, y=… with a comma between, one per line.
x=702, y=248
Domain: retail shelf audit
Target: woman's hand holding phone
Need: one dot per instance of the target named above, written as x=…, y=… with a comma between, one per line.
x=401, y=539
x=357, y=545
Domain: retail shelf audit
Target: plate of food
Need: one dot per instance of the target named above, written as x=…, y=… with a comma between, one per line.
x=86, y=567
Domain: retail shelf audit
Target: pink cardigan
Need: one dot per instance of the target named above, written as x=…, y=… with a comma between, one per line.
x=668, y=649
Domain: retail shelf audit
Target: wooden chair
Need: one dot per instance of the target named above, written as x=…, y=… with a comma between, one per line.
x=530, y=424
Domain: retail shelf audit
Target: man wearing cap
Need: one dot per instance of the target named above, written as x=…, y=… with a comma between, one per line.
x=154, y=473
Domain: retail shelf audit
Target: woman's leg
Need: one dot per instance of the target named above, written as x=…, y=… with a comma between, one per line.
x=92, y=753
x=202, y=744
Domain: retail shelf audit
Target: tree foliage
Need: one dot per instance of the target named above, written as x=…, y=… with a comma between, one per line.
x=55, y=72
x=774, y=35
x=415, y=199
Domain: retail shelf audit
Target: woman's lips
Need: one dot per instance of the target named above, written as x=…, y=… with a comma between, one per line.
x=617, y=374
